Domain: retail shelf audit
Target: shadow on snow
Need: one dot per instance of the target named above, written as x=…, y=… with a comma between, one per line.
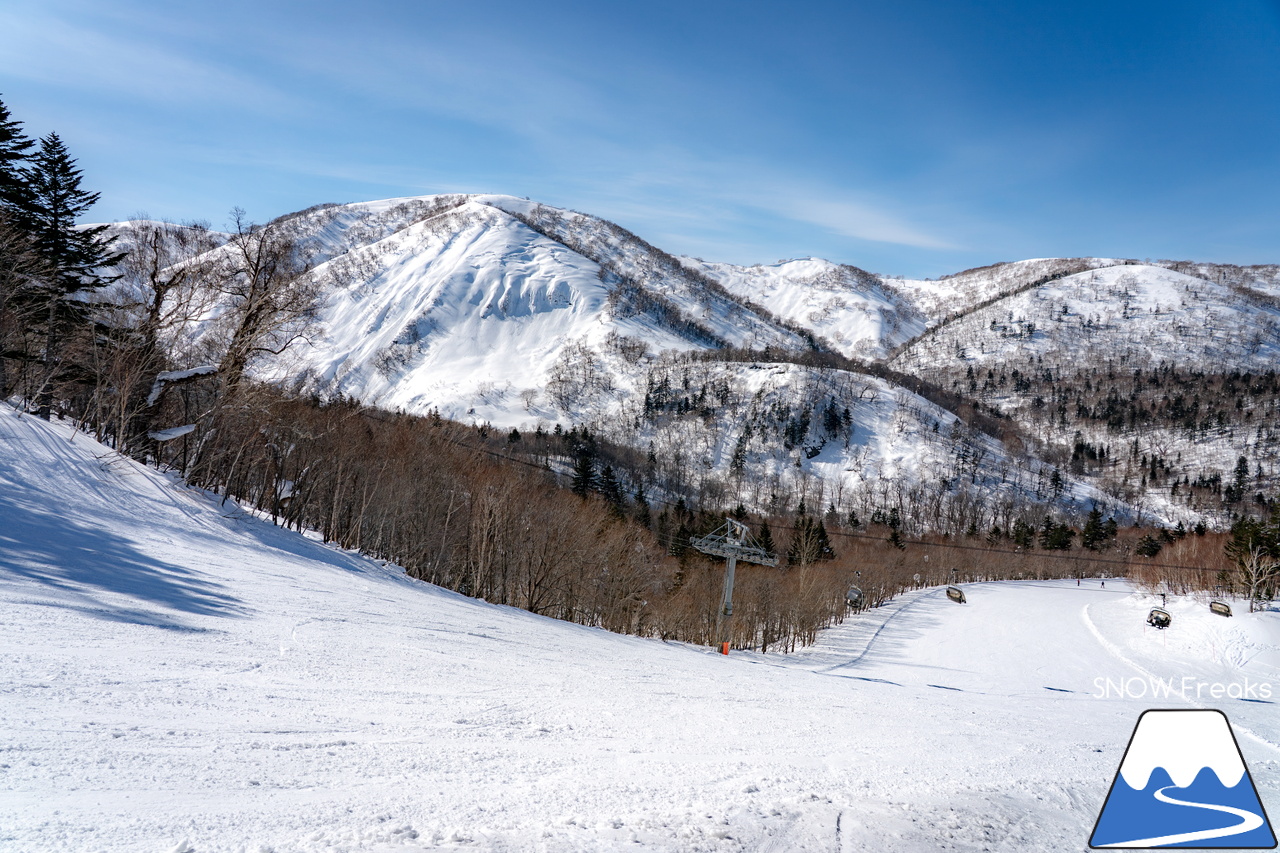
x=82, y=562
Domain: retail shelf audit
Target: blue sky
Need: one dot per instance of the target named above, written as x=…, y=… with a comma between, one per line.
x=912, y=137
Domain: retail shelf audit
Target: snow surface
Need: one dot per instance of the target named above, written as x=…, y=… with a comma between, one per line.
x=1133, y=315
x=453, y=303
x=182, y=676
x=859, y=315
x=964, y=291
x=896, y=439
x=441, y=324
x=1126, y=317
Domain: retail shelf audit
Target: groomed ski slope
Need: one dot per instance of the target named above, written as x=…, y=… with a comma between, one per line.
x=180, y=676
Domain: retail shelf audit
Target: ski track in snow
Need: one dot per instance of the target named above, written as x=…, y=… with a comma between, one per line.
x=182, y=676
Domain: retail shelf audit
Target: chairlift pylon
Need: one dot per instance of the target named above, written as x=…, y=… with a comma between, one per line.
x=732, y=541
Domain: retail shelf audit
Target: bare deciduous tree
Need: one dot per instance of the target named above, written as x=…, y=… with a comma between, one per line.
x=269, y=298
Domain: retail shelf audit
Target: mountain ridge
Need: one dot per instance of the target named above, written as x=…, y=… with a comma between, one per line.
x=500, y=310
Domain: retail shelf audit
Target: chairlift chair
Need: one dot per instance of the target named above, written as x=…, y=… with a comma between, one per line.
x=956, y=594
x=1159, y=618
x=1220, y=607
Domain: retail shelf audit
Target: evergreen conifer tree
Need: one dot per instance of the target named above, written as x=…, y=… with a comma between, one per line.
x=680, y=542
x=584, y=471
x=14, y=148
x=642, y=508
x=766, y=537
x=20, y=268
x=1046, y=534
x=1254, y=548
x=75, y=259
x=1093, y=536
x=825, y=551
x=800, y=550
x=1241, y=475
x=612, y=491
x=809, y=543
x=1148, y=546
x=56, y=200
x=1023, y=534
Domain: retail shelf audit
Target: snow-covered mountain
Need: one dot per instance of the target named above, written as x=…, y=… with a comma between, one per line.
x=500, y=310
x=456, y=303
x=495, y=309
x=1133, y=354
x=1131, y=314
x=851, y=310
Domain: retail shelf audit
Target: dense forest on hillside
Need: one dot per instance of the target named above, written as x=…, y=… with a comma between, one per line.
x=1209, y=441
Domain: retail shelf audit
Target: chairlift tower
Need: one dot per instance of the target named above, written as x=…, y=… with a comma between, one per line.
x=732, y=541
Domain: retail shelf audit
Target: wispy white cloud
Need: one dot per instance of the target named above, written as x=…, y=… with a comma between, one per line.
x=680, y=187
x=853, y=218
x=47, y=48
x=463, y=111
x=455, y=77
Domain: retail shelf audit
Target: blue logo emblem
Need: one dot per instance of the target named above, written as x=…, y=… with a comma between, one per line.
x=1183, y=783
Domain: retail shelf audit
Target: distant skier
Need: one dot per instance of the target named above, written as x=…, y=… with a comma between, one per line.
x=1104, y=584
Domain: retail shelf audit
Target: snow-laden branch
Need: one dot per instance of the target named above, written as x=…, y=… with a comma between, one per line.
x=171, y=433
x=170, y=376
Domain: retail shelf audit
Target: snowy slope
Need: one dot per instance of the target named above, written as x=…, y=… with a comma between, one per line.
x=859, y=315
x=640, y=273
x=478, y=307
x=1132, y=314
x=1119, y=318
x=962, y=292
x=463, y=307
x=496, y=309
x=833, y=437
x=455, y=303
x=461, y=312
x=180, y=676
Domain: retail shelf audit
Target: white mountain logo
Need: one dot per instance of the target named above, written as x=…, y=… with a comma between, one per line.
x=1183, y=783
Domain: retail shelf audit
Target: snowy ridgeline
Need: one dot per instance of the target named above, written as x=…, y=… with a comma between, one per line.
x=1133, y=315
x=501, y=310
x=182, y=676
x=1132, y=357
